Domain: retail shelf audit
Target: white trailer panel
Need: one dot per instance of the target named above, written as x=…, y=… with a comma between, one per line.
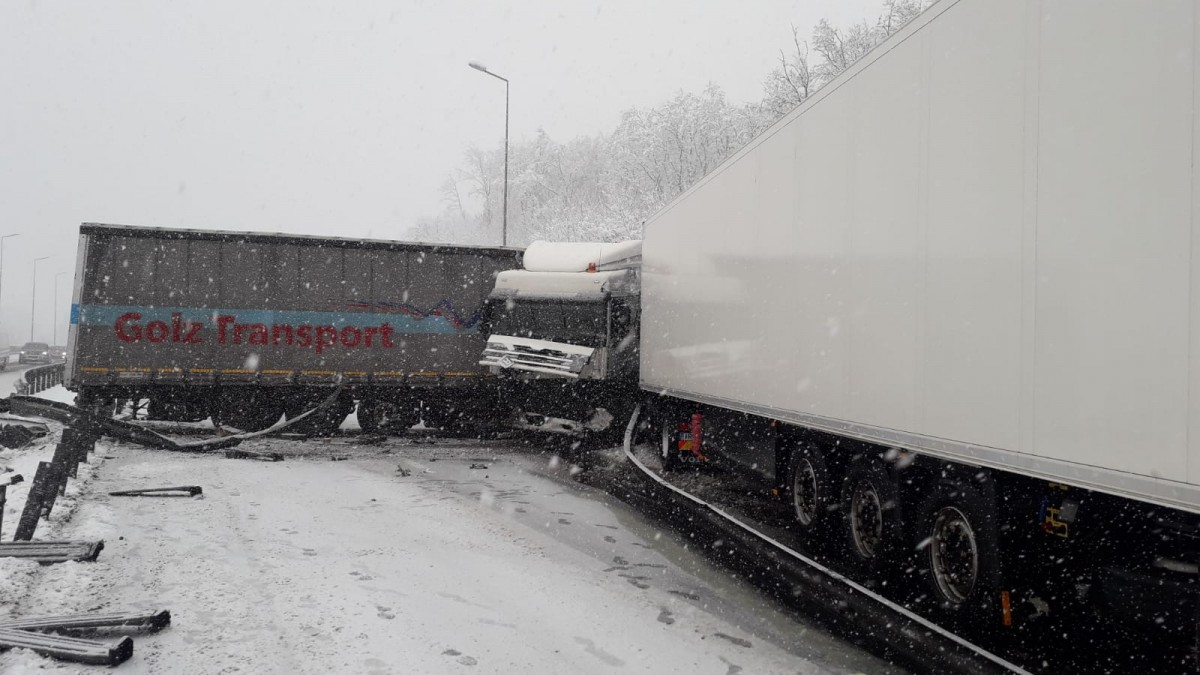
x=979, y=243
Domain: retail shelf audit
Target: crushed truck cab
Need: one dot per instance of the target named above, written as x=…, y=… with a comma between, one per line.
x=562, y=332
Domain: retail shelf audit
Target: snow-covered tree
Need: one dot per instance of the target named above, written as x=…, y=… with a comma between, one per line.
x=603, y=187
x=798, y=76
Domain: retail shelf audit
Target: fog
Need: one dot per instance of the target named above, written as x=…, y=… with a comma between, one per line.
x=318, y=117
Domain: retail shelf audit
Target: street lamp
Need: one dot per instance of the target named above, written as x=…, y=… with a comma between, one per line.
x=54, y=307
x=483, y=69
x=33, y=296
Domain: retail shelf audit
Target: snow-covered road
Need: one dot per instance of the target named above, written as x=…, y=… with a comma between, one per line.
x=480, y=559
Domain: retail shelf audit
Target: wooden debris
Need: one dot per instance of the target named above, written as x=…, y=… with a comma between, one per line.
x=250, y=454
x=47, y=552
x=110, y=653
x=150, y=621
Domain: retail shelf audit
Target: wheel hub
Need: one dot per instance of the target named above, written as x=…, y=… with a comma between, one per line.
x=804, y=493
x=866, y=521
x=953, y=555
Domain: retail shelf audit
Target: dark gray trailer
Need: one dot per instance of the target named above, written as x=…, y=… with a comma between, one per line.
x=247, y=327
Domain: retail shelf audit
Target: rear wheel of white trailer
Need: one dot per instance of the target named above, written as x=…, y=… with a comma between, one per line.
x=959, y=553
x=871, y=517
x=811, y=490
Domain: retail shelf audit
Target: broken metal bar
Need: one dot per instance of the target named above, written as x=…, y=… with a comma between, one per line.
x=151, y=621
x=128, y=431
x=52, y=551
x=69, y=649
x=191, y=490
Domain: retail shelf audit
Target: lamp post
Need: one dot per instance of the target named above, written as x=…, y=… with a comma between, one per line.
x=504, y=219
x=33, y=296
x=54, y=308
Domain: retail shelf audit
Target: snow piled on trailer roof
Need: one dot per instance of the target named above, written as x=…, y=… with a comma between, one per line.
x=565, y=285
x=548, y=256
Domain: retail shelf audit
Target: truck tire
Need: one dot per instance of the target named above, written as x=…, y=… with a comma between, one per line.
x=322, y=422
x=175, y=408
x=871, y=517
x=811, y=489
x=381, y=417
x=959, y=550
x=246, y=409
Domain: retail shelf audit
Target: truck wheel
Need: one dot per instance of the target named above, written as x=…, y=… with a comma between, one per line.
x=811, y=489
x=960, y=552
x=175, y=409
x=322, y=422
x=385, y=416
x=872, y=520
x=247, y=410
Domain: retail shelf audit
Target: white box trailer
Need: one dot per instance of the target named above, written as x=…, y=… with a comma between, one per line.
x=980, y=243
x=977, y=243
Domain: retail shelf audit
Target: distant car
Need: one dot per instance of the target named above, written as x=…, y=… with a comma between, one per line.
x=58, y=353
x=34, y=352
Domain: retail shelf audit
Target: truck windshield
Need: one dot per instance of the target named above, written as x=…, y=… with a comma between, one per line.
x=578, y=323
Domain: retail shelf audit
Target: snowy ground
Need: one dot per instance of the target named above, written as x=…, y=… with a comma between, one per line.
x=473, y=559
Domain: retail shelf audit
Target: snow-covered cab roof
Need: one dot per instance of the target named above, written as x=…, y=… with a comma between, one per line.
x=565, y=285
x=551, y=256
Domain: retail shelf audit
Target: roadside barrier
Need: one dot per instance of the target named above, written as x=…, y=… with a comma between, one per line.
x=43, y=377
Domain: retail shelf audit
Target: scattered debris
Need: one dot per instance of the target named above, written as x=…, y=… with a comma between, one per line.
x=68, y=649
x=152, y=621
x=372, y=439
x=136, y=433
x=251, y=454
x=338, y=458
x=16, y=432
x=478, y=466
x=48, y=552
x=50, y=480
x=191, y=490
x=405, y=473
x=28, y=634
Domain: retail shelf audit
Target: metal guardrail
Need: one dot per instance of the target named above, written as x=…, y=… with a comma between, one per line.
x=43, y=377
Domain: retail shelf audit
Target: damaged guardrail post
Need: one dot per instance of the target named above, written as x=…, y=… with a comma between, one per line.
x=51, y=478
x=4, y=483
x=33, y=503
x=79, y=443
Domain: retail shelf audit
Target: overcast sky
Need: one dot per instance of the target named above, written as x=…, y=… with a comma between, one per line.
x=320, y=116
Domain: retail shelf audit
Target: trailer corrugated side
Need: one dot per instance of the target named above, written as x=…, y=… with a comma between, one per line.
x=160, y=307
x=978, y=243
